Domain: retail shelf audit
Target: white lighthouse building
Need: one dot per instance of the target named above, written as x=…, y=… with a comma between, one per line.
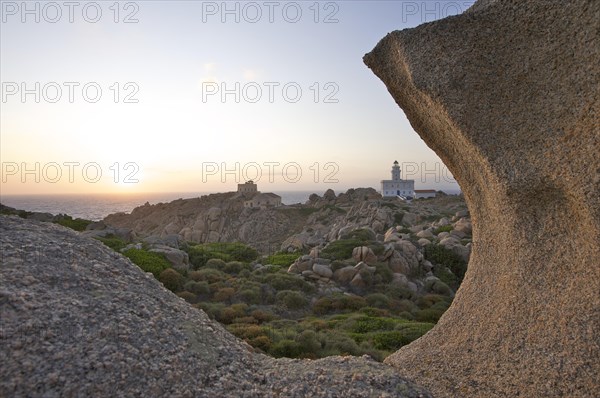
x=397, y=186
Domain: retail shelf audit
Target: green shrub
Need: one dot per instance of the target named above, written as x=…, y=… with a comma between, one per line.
x=362, y=234
x=148, y=261
x=378, y=300
x=209, y=275
x=340, y=249
x=384, y=271
x=78, y=224
x=366, y=324
x=429, y=300
x=224, y=294
x=215, y=263
x=283, y=259
x=199, y=288
x=187, y=296
x=250, y=296
x=438, y=254
x=229, y=314
x=263, y=343
x=236, y=251
x=374, y=312
x=172, y=279
x=322, y=306
x=444, y=228
x=234, y=267
x=429, y=315
x=286, y=348
x=339, y=344
x=389, y=341
x=281, y=281
x=113, y=242
x=213, y=310
x=262, y=316
x=308, y=342
x=292, y=300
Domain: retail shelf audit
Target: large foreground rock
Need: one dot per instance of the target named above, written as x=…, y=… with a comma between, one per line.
x=508, y=95
x=79, y=320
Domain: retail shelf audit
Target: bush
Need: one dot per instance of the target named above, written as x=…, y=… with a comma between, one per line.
x=308, y=342
x=113, y=242
x=429, y=315
x=366, y=324
x=199, y=288
x=263, y=343
x=283, y=259
x=384, y=272
x=444, y=228
x=213, y=310
x=172, y=279
x=281, y=281
x=262, y=316
x=209, y=275
x=292, y=300
x=438, y=254
x=224, y=294
x=438, y=287
x=187, y=296
x=389, y=341
x=340, y=249
x=337, y=344
x=250, y=296
x=148, y=261
x=215, y=263
x=234, y=267
x=286, y=348
x=78, y=224
x=322, y=306
x=378, y=300
x=235, y=251
x=228, y=314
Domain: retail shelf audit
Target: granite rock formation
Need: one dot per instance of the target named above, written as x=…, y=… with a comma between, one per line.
x=78, y=319
x=508, y=95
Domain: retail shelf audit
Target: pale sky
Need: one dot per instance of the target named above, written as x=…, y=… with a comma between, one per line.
x=297, y=96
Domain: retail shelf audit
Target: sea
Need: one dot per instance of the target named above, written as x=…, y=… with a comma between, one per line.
x=97, y=206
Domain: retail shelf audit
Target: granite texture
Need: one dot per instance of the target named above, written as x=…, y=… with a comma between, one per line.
x=508, y=95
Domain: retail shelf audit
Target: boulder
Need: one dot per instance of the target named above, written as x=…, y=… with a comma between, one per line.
x=304, y=264
x=423, y=242
x=513, y=113
x=463, y=225
x=329, y=194
x=398, y=263
x=363, y=266
x=410, y=219
x=178, y=258
x=426, y=233
x=363, y=253
x=358, y=281
x=344, y=275
x=322, y=270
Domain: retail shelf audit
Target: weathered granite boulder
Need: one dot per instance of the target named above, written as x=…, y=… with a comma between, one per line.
x=507, y=95
x=363, y=253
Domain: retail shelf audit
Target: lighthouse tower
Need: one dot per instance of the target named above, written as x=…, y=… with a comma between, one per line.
x=396, y=171
x=397, y=187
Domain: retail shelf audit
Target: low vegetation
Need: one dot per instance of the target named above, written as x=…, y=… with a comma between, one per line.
x=284, y=315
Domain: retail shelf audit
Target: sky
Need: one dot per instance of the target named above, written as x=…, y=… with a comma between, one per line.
x=197, y=96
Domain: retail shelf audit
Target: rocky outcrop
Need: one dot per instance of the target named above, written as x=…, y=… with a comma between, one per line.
x=79, y=319
x=507, y=95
